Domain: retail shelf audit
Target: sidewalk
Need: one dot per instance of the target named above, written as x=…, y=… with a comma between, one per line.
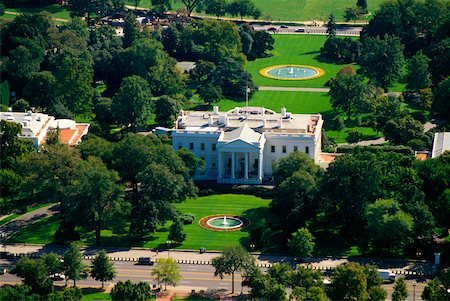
x=399, y=266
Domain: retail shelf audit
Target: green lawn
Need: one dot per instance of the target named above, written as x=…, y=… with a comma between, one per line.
x=248, y=206
x=294, y=49
x=295, y=10
x=58, y=12
x=96, y=296
x=294, y=102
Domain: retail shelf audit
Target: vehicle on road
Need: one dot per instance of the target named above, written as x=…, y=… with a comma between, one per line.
x=300, y=30
x=284, y=26
x=6, y=255
x=386, y=275
x=145, y=261
x=58, y=277
x=272, y=29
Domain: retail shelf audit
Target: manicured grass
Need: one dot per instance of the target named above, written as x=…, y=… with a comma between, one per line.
x=294, y=102
x=58, y=12
x=96, y=296
x=295, y=10
x=299, y=50
x=248, y=206
x=15, y=215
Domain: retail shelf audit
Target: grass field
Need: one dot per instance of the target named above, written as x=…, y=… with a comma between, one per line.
x=248, y=206
x=96, y=296
x=58, y=12
x=295, y=10
x=299, y=50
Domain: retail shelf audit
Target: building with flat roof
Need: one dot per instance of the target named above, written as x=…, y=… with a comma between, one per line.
x=241, y=145
x=441, y=144
x=36, y=126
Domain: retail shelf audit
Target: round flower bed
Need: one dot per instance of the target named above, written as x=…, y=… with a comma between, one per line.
x=203, y=222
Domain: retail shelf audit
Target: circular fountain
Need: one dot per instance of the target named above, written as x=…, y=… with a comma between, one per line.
x=223, y=222
x=292, y=72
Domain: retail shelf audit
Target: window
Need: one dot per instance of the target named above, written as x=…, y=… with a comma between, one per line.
x=180, y=145
x=213, y=146
x=295, y=148
x=202, y=146
x=284, y=149
x=272, y=149
x=214, y=165
x=191, y=145
x=307, y=149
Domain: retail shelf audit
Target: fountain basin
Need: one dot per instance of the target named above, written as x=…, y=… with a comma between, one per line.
x=292, y=72
x=223, y=222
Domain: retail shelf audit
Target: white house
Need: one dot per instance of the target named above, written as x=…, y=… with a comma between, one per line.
x=441, y=144
x=241, y=145
x=35, y=127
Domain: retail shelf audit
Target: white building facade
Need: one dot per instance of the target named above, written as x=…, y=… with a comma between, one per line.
x=240, y=146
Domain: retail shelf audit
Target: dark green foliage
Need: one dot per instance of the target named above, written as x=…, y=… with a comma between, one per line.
x=187, y=218
x=400, y=290
x=132, y=105
x=243, y=8
x=193, y=163
x=434, y=291
x=11, y=146
x=343, y=50
x=382, y=59
x=102, y=268
x=21, y=105
x=18, y=292
x=130, y=30
x=69, y=293
x=176, y=233
x=34, y=274
x=400, y=131
x=10, y=183
x=362, y=4
x=166, y=110
x=82, y=8
x=5, y=94
x=354, y=136
x=216, y=8
x=255, y=44
x=441, y=101
x=52, y=263
x=418, y=76
x=331, y=27
x=74, y=267
x=129, y=291
x=349, y=282
x=302, y=243
x=40, y=89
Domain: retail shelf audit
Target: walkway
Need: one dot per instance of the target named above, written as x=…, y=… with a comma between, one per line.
x=16, y=13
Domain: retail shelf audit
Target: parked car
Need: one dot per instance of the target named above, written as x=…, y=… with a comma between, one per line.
x=58, y=277
x=272, y=29
x=145, y=261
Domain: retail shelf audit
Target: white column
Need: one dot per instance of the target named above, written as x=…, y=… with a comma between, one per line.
x=260, y=166
x=246, y=166
x=219, y=165
x=233, y=162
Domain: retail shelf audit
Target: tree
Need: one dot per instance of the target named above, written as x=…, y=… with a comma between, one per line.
x=362, y=4
x=388, y=227
x=349, y=282
x=34, y=274
x=402, y=130
x=40, y=89
x=441, y=100
x=82, y=8
x=352, y=14
x=132, y=104
x=331, y=27
x=177, y=233
x=52, y=263
x=209, y=92
x=243, y=8
x=130, y=30
x=192, y=162
x=21, y=105
x=382, y=59
x=377, y=293
x=434, y=291
x=400, y=291
x=74, y=85
x=302, y=243
x=102, y=268
x=18, y=292
x=11, y=146
x=166, y=110
x=94, y=197
x=233, y=259
x=217, y=8
x=354, y=136
x=190, y=5
x=73, y=263
x=167, y=271
x=348, y=93
x=129, y=291
x=68, y=293
x=418, y=76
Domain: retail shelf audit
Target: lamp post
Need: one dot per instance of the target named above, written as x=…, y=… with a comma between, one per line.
x=414, y=290
x=168, y=248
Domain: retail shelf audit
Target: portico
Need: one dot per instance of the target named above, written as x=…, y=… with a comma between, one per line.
x=240, y=156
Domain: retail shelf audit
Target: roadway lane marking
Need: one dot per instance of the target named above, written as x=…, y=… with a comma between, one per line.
x=185, y=278
x=192, y=269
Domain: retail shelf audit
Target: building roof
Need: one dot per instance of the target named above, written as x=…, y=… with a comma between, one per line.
x=256, y=118
x=441, y=144
x=244, y=133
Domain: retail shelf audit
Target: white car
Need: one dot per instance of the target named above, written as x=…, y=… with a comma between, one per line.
x=58, y=277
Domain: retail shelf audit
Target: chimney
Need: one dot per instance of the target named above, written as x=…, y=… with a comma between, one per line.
x=216, y=110
x=283, y=112
x=280, y=124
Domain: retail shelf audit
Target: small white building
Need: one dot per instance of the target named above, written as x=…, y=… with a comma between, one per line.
x=241, y=145
x=35, y=127
x=441, y=144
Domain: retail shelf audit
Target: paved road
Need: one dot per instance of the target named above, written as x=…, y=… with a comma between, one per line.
x=319, y=30
x=27, y=219
x=198, y=277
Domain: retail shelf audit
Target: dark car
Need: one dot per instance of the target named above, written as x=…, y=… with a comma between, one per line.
x=145, y=261
x=271, y=29
x=300, y=30
x=6, y=255
x=284, y=26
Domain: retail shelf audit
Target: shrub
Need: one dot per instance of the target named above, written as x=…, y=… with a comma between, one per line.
x=187, y=218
